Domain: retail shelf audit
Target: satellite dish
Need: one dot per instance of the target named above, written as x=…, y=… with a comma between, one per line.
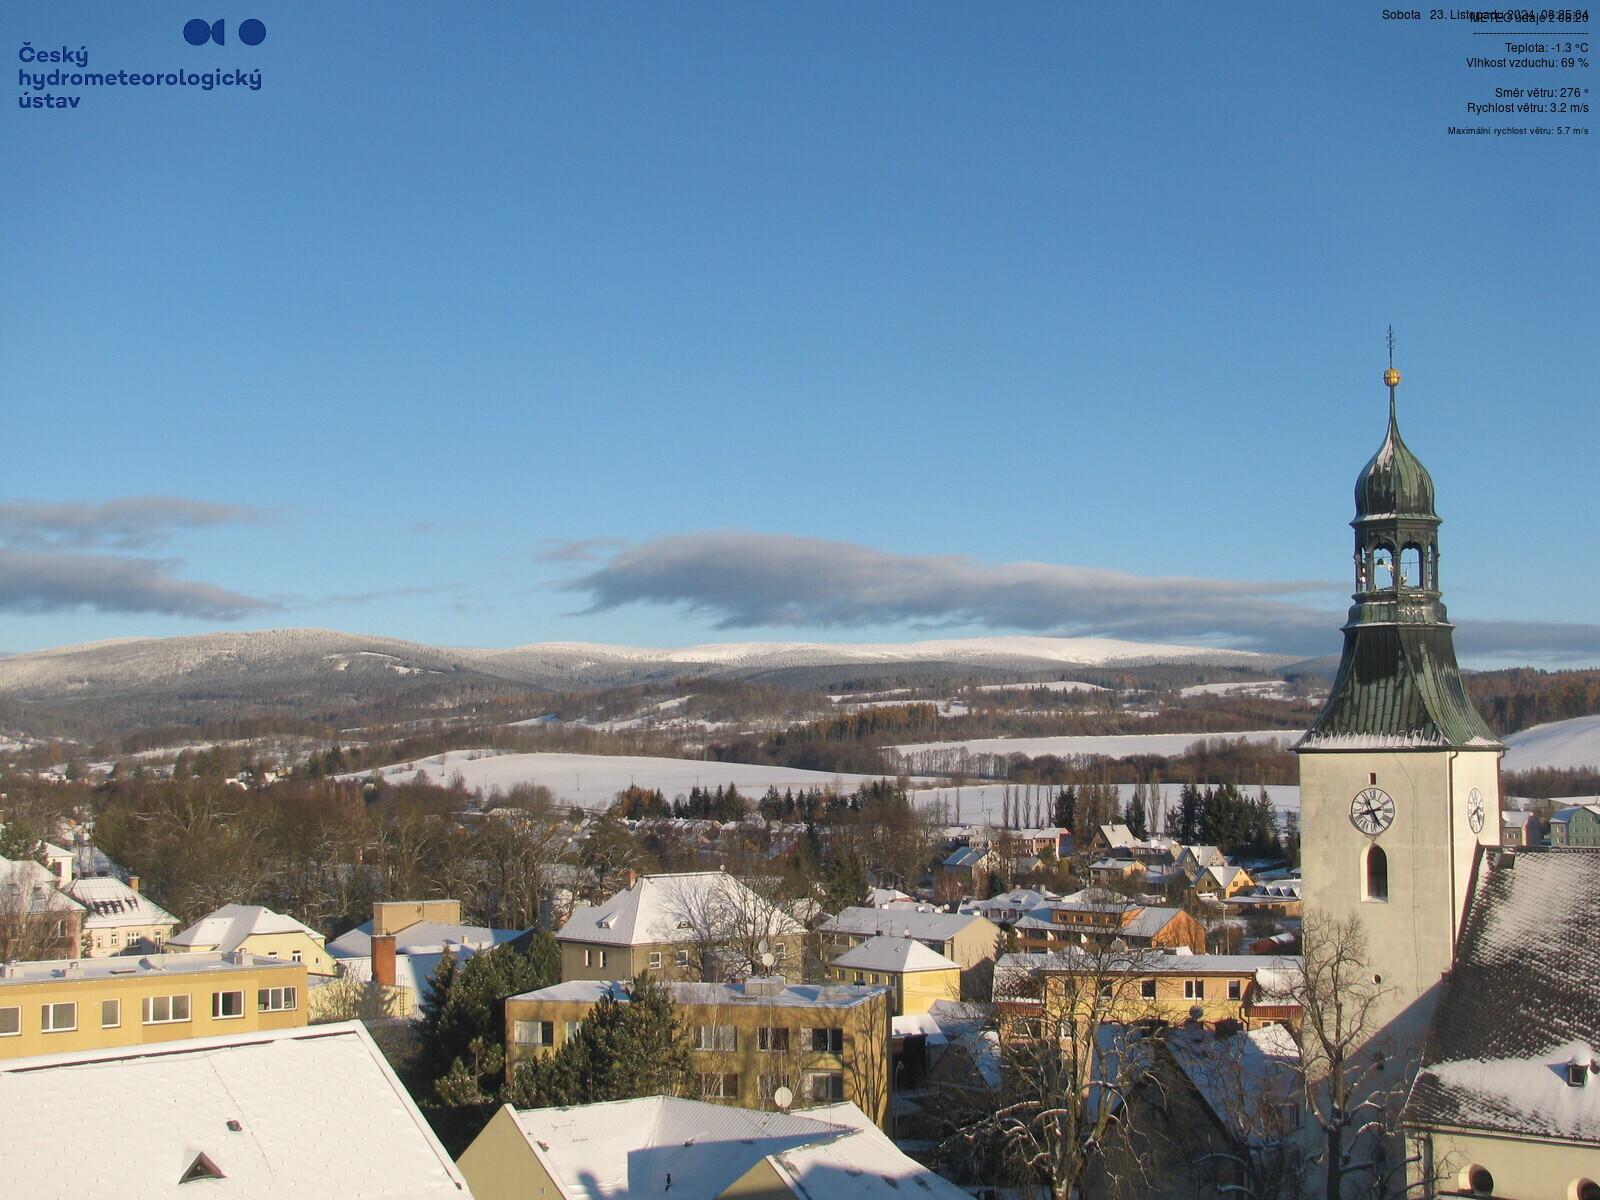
x=767, y=959
x=783, y=1097
x=762, y=947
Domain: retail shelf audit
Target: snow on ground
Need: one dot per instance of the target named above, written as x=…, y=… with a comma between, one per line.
x=1112, y=745
x=1267, y=689
x=593, y=780
x=1561, y=745
x=984, y=803
x=1059, y=685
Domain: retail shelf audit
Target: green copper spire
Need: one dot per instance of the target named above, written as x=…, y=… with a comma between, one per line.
x=1398, y=684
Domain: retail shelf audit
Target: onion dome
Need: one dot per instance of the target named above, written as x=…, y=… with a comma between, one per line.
x=1394, y=483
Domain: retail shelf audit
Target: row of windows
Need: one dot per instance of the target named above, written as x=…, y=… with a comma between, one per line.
x=540, y=1033
x=776, y=1038
x=113, y=939
x=1193, y=989
x=818, y=1087
x=153, y=1010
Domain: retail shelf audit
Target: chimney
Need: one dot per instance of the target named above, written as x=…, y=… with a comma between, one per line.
x=133, y=884
x=383, y=959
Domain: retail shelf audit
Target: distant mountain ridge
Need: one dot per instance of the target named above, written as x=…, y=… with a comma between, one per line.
x=208, y=675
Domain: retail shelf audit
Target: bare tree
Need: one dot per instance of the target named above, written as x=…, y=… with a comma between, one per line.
x=1354, y=1085
x=1075, y=1032
x=728, y=928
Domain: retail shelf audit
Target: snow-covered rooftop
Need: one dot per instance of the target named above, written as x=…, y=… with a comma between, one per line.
x=898, y=954
x=122, y=966
x=1522, y=1003
x=112, y=903
x=674, y=908
x=298, y=1114
x=231, y=924
x=928, y=925
x=422, y=937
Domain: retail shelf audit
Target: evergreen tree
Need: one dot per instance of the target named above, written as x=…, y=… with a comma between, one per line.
x=624, y=1049
x=465, y=1002
x=1066, y=808
x=1136, y=814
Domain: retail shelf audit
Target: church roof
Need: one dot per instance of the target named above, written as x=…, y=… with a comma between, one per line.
x=1394, y=483
x=1522, y=1003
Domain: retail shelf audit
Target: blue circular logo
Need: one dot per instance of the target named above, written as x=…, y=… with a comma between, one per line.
x=252, y=32
x=197, y=32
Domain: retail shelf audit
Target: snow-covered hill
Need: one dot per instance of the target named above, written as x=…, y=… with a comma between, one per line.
x=1562, y=745
x=344, y=663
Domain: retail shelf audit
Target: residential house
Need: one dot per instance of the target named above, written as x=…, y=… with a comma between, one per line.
x=252, y=929
x=404, y=942
x=1576, y=826
x=37, y=919
x=965, y=871
x=86, y=1004
x=1133, y=925
x=1110, y=873
x=1279, y=898
x=1009, y=907
x=1521, y=829
x=1507, y=1102
x=1108, y=840
x=289, y=1114
x=691, y=1150
x=967, y=938
x=824, y=1042
x=1221, y=880
x=916, y=976
x=692, y=926
x=119, y=918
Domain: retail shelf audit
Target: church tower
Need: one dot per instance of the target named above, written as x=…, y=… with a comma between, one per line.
x=1399, y=775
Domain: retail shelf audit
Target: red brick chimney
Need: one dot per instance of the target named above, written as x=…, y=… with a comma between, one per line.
x=133, y=884
x=383, y=959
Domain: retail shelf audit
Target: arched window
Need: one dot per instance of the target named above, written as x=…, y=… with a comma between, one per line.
x=1377, y=874
x=1411, y=567
x=1383, y=567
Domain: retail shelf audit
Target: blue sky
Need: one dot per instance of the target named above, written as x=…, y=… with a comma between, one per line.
x=668, y=323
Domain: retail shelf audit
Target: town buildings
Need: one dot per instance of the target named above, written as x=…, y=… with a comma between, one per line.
x=693, y=926
x=91, y=1004
x=823, y=1042
x=969, y=940
x=254, y=930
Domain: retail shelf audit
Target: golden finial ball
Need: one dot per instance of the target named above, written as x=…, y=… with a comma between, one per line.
x=1391, y=377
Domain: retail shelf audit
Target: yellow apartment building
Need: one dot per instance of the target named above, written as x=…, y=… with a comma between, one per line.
x=1038, y=993
x=824, y=1042
x=101, y=1003
x=915, y=975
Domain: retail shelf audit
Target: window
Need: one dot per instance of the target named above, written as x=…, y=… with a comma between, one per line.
x=1235, y=989
x=1147, y=989
x=10, y=1022
x=716, y=1037
x=1377, y=874
x=594, y=958
x=164, y=1010
x=110, y=1014
x=767, y=1085
x=777, y=950
x=296, y=956
x=572, y=1029
x=58, y=1018
x=225, y=1005
x=719, y=1087
x=1194, y=989
x=113, y=936
x=275, y=999
x=824, y=1087
x=827, y=1041
x=655, y=960
x=774, y=1038
x=534, y=1033
x=1107, y=989
x=683, y=958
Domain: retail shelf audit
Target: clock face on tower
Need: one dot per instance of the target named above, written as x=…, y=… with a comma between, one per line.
x=1371, y=811
x=1475, y=810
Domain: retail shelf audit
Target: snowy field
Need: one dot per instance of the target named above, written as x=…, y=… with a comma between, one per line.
x=1113, y=746
x=982, y=804
x=593, y=780
x=1560, y=744
x=1271, y=689
x=1059, y=685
